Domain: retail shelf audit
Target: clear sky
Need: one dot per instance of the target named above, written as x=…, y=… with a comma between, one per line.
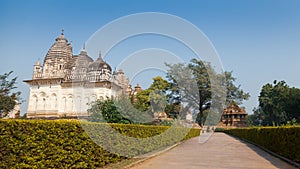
x=259, y=40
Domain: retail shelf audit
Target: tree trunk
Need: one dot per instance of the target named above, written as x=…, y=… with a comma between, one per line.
x=201, y=117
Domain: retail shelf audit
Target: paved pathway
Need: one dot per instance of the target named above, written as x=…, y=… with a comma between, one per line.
x=219, y=152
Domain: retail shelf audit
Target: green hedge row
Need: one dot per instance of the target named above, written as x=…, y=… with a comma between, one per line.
x=71, y=144
x=281, y=140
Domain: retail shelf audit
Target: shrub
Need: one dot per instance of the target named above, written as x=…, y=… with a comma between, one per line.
x=63, y=143
x=219, y=130
x=281, y=140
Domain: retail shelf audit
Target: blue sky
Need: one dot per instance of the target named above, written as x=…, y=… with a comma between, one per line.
x=259, y=40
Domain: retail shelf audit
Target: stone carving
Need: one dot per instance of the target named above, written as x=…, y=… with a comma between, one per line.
x=233, y=116
x=52, y=92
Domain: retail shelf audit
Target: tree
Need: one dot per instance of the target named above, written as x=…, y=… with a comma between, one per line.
x=257, y=118
x=213, y=119
x=120, y=110
x=279, y=103
x=106, y=111
x=128, y=111
x=184, y=89
x=195, y=83
x=173, y=110
x=8, y=98
x=153, y=98
x=158, y=98
x=234, y=93
x=292, y=105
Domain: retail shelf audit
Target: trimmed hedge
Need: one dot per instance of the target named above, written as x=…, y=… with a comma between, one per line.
x=65, y=144
x=281, y=140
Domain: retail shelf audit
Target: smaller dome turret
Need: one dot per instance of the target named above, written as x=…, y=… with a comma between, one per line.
x=61, y=37
x=37, y=63
x=137, y=88
x=99, y=64
x=84, y=56
x=121, y=72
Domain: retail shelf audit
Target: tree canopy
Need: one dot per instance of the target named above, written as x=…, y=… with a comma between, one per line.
x=137, y=110
x=8, y=97
x=154, y=98
x=197, y=83
x=278, y=104
x=106, y=111
x=234, y=92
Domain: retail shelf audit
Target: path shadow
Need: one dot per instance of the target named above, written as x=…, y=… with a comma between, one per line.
x=266, y=155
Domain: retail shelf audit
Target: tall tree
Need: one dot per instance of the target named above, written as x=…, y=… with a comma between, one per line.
x=195, y=83
x=279, y=103
x=200, y=71
x=8, y=98
x=234, y=93
x=292, y=106
x=158, y=98
x=154, y=98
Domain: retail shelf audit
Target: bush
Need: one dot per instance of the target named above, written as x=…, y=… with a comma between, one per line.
x=63, y=143
x=281, y=140
x=219, y=130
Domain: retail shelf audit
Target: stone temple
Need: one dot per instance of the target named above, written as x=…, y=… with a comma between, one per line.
x=65, y=84
x=233, y=116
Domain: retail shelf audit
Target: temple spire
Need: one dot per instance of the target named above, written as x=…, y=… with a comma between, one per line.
x=38, y=62
x=83, y=47
x=61, y=37
x=100, y=57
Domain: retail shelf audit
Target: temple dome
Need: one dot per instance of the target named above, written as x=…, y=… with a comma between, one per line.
x=60, y=49
x=61, y=38
x=82, y=60
x=84, y=56
x=38, y=63
x=99, y=64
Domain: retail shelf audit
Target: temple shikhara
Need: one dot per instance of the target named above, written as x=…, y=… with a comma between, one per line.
x=65, y=84
x=233, y=116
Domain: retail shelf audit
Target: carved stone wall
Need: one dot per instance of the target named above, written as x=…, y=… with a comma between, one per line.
x=233, y=116
x=65, y=84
